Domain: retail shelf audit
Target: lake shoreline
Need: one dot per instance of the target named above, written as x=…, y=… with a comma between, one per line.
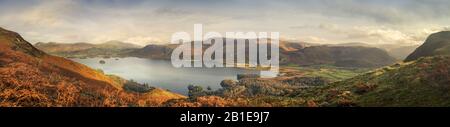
x=161, y=73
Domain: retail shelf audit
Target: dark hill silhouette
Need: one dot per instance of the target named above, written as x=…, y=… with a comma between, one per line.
x=340, y=56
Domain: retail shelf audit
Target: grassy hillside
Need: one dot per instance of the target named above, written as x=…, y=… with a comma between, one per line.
x=328, y=72
x=436, y=44
x=424, y=82
x=421, y=83
x=83, y=50
x=153, y=52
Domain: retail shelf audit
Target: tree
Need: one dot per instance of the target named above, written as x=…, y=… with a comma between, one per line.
x=195, y=91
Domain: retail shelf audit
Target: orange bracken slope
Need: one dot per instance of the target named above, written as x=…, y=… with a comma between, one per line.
x=31, y=78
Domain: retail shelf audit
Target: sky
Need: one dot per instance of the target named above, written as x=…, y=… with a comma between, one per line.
x=405, y=22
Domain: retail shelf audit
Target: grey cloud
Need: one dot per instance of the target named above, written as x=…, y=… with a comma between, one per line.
x=88, y=20
x=172, y=12
x=380, y=11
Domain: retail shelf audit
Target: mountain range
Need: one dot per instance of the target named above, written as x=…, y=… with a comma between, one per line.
x=299, y=54
x=82, y=49
x=340, y=56
x=400, y=52
x=291, y=53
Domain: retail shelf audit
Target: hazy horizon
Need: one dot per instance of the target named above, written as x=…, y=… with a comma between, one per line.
x=406, y=22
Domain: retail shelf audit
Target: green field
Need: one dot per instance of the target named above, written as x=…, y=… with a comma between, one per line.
x=329, y=72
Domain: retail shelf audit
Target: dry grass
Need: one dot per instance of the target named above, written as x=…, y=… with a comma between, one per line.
x=30, y=78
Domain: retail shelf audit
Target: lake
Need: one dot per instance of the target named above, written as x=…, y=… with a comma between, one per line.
x=161, y=73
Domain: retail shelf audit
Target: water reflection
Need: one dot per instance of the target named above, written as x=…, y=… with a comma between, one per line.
x=161, y=73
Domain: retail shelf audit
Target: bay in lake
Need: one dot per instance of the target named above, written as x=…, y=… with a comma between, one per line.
x=161, y=73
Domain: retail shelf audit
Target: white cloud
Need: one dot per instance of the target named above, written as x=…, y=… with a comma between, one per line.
x=386, y=35
x=142, y=22
x=141, y=40
x=47, y=14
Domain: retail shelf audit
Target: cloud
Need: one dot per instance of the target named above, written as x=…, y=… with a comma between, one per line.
x=315, y=39
x=376, y=34
x=384, y=35
x=154, y=21
x=141, y=40
x=379, y=11
x=50, y=14
x=172, y=12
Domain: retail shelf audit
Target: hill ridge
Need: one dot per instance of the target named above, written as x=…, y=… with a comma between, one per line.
x=436, y=44
x=14, y=41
